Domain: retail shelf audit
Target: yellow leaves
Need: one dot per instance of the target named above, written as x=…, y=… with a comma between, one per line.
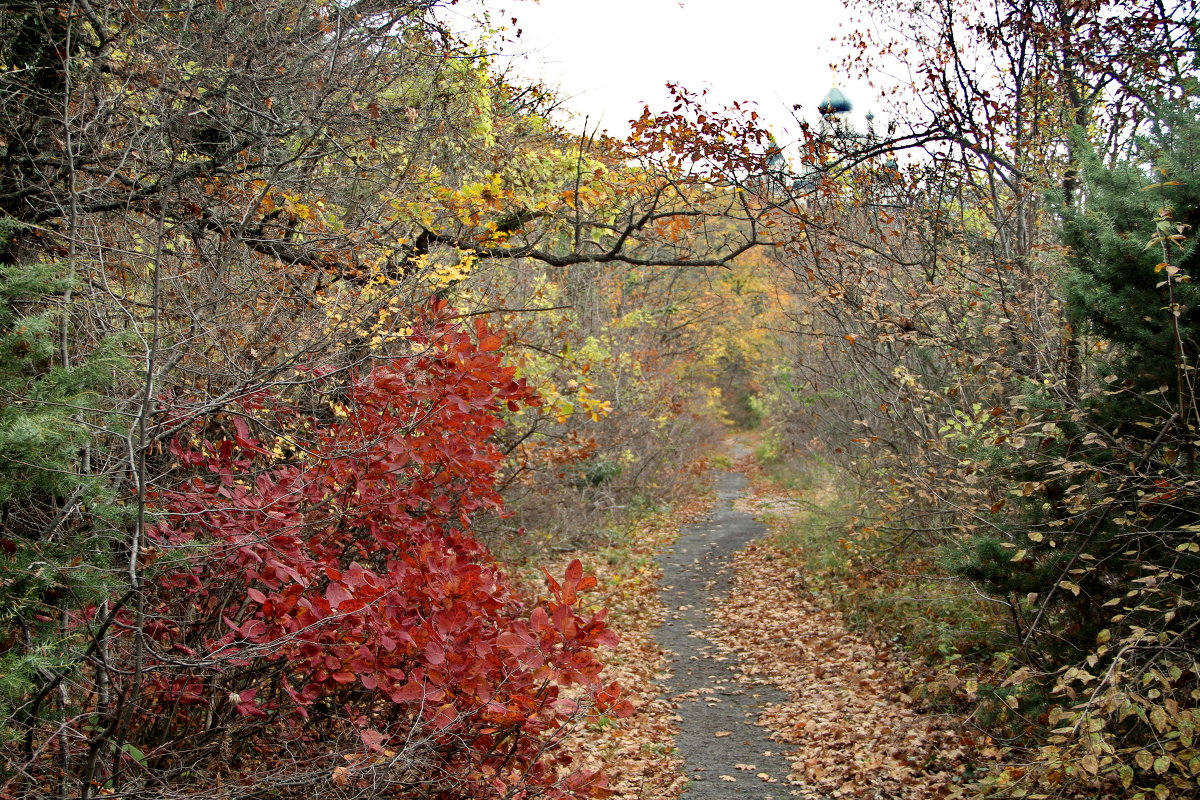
x=904, y=376
x=443, y=275
x=372, y=314
x=1159, y=719
x=294, y=206
x=1152, y=186
x=599, y=410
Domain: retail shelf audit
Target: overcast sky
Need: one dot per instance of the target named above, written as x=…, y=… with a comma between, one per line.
x=610, y=57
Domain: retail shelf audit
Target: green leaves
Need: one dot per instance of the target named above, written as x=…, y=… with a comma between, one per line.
x=56, y=516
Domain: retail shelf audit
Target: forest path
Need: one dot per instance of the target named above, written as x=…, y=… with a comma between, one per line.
x=775, y=698
x=726, y=754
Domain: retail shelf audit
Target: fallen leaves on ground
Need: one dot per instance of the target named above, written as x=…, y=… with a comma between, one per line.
x=637, y=753
x=849, y=728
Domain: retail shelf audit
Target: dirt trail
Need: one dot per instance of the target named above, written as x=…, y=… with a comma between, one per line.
x=725, y=753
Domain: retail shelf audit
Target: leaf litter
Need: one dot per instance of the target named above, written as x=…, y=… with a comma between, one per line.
x=848, y=728
x=637, y=753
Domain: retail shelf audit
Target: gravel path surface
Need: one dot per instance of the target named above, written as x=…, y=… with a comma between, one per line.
x=727, y=755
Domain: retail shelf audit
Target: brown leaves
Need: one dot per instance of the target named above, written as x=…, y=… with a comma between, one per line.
x=852, y=731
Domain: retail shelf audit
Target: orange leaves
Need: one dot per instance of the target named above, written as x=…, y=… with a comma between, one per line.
x=487, y=341
x=691, y=135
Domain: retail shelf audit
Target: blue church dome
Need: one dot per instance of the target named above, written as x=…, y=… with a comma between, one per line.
x=835, y=102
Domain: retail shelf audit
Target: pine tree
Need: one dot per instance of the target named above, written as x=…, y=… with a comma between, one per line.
x=53, y=514
x=1106, y=495
x=1138, y=215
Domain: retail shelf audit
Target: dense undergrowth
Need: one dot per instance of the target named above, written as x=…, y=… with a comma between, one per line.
x=994, y=349
x=306, y=315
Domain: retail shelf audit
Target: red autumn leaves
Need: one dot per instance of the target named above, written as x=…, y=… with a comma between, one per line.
x=325, y=574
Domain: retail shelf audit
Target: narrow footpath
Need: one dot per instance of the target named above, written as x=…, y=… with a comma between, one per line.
x=726, y=754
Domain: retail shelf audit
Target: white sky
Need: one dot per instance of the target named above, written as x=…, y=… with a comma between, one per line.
x=609, y=57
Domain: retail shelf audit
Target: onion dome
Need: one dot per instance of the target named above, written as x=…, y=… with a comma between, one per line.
x=835, y=102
